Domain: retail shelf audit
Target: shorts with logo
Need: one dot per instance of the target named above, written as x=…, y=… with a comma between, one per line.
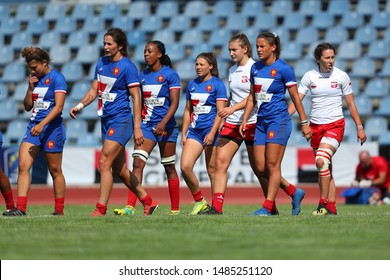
x=51, y=139
x=232, y=131
x=273, y=130
x=200, y=134
x=169, y=135
x=333, y=130
x=118, y=130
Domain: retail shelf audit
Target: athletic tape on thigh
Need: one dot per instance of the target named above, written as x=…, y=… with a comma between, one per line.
x=141, y=154
x=168, y=160
x=331, y=141
x=325, y=155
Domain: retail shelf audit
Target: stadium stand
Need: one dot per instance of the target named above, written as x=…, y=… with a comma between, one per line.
x=360, y=30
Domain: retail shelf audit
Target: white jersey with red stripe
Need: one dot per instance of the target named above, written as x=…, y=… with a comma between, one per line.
x=327, y=90
x=239, y=86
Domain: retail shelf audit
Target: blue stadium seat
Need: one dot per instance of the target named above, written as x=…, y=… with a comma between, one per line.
x=363, y=67
x=196, y=8
x=380, y=19
x=374, y=127
x=338, y=7
x=4, y=11
x=199, y=48
x=303, y=65
x=78, y=39
x=191, y=37
x=264, y=22
x=82, y=11
x=296, y=139
x=252, y=8
x=220, y=37
x=136, y=37
x=75, y=129
x=79, y=89
x=6, y=54
x=20, y=91
x=182, y=105
x=90, y=112
x=208, y=23
x=166, y=36
x=88, y=54
x=364, y=106
x=65, y=25
x=291, y=51
x=26, y=11
x=355, y=86
x=282, y=32
x=54, y=11
x=3, y=91
x=341, y=64
x=336, y=35
x=384, y=107
x=73, y=71
x=9, y=26
x=110, y=11
x=60, y=54
x=89, y=140
x=349, y=50
x=139, y=10
x=366, y=34
x=21, y=39
x=16, y=129
x=352, y=20
x=179, y=23
x=377, y=87
x=14, y=72
x=385, y=72
x=65, y=111
x=151, y=23
x=224, y=9
x=365, y=7
x=175, y=51
x=167, y=9
x=50, y=39
x=93, y=25
x=138, y=55
x=378, y=49
x=123, y=22
x=384, y=138
x=349, y=130
x=186, y=69
x=323, y=20
x=293, y=21
x=310, y=7
x=306, y=35
x=9, y=110
x=37, y=26
x=222, y=69
x=97, y=130
x=281, y=8
x=236, y=23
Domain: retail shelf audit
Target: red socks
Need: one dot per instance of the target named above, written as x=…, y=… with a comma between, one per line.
x=174, y=192
x=9, y=200
x=131, y=198
x=59, y=205
x=147, y=200
x=102, y=208
x=269, y=205
x=218, y=201
x=198, y=196
x=21, y=203
x=290, y=190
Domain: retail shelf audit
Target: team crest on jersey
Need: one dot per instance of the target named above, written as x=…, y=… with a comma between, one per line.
x=116, y=71
x=313, y=86
x=111, y=132
x=271, y=134
x=47, y=81
x=334, y=84
x=273, y=72
x=160, y=78
x=244, y=79
x=209, y=88
x=50, y=144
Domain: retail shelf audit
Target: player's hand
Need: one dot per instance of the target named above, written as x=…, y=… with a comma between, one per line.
x=365, y=183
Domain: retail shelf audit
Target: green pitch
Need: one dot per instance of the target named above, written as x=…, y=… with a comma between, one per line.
x=357, y=233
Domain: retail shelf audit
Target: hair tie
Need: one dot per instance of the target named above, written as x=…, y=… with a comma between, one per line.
x=275, y=35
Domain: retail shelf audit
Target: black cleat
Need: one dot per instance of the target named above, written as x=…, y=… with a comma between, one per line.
x=210, y=211
x=14, y=212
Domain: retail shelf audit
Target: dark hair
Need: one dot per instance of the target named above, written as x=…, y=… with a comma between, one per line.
x=273, y=39
x=34, y=53
x=119, y=37
x=165, y=59
x=244, y=42
x=322, y=47
x=211, y=58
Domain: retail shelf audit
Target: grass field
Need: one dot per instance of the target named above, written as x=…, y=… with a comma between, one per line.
x=357, y=233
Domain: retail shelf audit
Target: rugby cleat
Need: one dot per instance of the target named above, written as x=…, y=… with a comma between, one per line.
x=210, y=211
x=150, y=209
x=14, y=213
x=261, y=212
x=127, y=210
x=199, y=206
x=321, y=210
x=96, y=213
x=296, y=201
x=174, y=212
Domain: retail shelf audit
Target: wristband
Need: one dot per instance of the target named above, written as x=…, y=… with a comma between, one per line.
x=79, y=106
x=304, y=122
x=359, y=126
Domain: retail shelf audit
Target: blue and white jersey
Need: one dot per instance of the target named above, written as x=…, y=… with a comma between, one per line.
x=114, y=79
x=43, y=95
x=270, y=83
x=204, y=97
x=156, y=88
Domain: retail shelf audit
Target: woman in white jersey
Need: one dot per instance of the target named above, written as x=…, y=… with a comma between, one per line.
x=327, y=85
x=230, y=138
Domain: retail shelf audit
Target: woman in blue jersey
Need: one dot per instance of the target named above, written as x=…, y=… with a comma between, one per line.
x=45, y=98
x=160, y=86
x=206, y=97
x=5, y=187
x=116, y=78
x=269, y=79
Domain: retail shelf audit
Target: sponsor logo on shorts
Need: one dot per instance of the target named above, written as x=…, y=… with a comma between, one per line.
x=50, y=144
x=111, y=132
x=271, y=134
